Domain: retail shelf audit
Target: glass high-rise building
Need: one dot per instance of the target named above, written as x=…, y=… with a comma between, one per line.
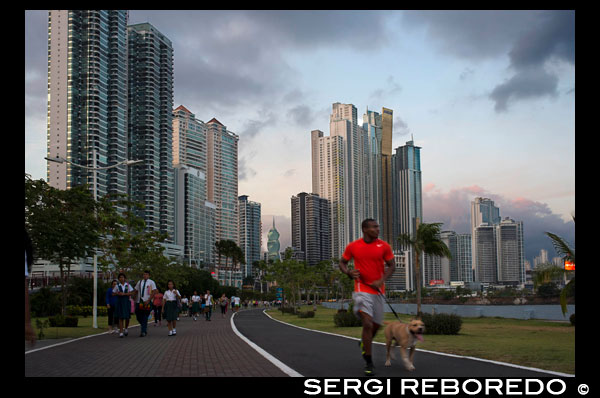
x=87, y=98
x=250, y=228
x=311, y=227
x=407, y=198
x=222, y=179
x=511, y=258
x=483, y=212
x=151, y=126
x=463, y=257
x=194, y=214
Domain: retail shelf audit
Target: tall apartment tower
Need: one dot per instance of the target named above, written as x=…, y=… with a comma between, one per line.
x=343, y=123
x=387, y=213
x=464, y=258
x=194, y=214
x=486, y=269
x=483, y=211
x=87, y=98
x=450, y=238
x=407, y=197
x=374, y=202
x=250, y=228
x=222, y=178
x=329, y=156
x=510, y=251
x=194, y=217
x=311, y=227
x=151, y=126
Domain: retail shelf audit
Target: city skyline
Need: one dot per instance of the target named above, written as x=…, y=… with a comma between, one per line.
x=491, y=111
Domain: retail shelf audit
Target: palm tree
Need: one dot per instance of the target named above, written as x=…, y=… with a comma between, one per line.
x=427, y=240
x=563, y=249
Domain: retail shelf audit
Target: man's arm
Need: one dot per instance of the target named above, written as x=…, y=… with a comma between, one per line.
x=352, y=273
x=389, y=270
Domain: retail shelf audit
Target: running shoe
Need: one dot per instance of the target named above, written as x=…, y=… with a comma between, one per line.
x=369, y=369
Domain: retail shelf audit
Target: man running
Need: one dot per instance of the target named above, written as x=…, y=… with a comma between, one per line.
x=371, y=256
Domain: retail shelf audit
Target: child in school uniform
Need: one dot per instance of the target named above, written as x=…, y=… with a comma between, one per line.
x=123, y=291
x=170, y=307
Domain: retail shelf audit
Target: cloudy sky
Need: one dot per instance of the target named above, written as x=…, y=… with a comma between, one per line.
x=488, y=95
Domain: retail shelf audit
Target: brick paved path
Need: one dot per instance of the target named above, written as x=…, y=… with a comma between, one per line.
x=200, y=348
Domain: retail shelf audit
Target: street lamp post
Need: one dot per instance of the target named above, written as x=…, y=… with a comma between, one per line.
x=95, y=169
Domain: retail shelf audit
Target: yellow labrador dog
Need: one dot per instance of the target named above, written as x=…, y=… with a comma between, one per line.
x=406, y=336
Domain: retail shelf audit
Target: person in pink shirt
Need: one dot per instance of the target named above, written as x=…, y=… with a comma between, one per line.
x=157, y=303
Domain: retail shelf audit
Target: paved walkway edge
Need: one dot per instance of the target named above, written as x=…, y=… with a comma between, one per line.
x=70, y=341
x=283, y=367
x=437, y=353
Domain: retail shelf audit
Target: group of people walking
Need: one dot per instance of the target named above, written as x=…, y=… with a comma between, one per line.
x=144, y=299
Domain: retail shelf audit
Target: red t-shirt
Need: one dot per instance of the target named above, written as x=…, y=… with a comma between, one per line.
x=369, y=259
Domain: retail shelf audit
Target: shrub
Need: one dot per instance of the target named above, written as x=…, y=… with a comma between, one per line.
x=442, y=323
x=572, y=319
x=346, y=318
x=306, y=314
x=63, y=321
x=86, y=310
x=44, y=302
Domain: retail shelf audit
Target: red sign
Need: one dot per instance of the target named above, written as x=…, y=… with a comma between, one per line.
x=569, y=266
x=436, y=282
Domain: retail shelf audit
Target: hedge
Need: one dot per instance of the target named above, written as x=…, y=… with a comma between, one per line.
x=442, y=323
x=63, y=321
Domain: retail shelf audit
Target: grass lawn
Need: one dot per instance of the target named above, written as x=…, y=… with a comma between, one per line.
x=84, y=328
x=534, y=343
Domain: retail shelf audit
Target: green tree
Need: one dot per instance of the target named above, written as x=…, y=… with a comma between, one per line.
x=62, y=225
x=568, y=253
x=426, y=240
x=126, y=245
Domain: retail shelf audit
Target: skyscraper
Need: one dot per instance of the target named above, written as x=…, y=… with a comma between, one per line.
x=311, y=229
x=222, y=177
x=483, y=212
x=511, y=258
x=250, y=228
x=151, y=126
x=329, y=158
x=407, y=197
x=273, y=243
x=194, y=217
x=463, y=258
x=87, y=97
x=387, y=213
x=194, y=214
x=486, y=267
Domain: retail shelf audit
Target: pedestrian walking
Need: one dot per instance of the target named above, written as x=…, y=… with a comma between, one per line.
x=184, y=305
x=235, y=302
x=374, y=263
x=196, y=304
x=144, y=291
x=209, y=305
x=157, y=304
x=111, y=303
x=170, y=298
x=123, y=291
x=223, y=301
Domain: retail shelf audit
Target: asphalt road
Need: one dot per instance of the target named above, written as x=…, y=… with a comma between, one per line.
x=314, y=354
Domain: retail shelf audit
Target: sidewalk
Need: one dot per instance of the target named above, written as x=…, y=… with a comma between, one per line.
x=200, y=348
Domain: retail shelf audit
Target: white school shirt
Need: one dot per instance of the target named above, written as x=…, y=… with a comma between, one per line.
x=208, y=298
x=171, y=295
x=150, y=286
x=184, y=300
x=195, y=299
x=116, y=288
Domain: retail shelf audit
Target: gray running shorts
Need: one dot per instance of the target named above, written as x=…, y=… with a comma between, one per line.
x=371, y=304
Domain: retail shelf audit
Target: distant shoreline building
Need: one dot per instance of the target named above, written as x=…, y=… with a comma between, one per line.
x=311, y=227
x=250, y=228
x=273, y=244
